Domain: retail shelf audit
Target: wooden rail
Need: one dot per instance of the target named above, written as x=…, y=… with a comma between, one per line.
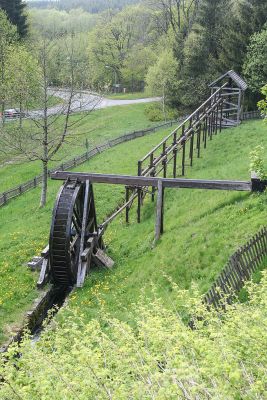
x=239, y=269
x=196, y=130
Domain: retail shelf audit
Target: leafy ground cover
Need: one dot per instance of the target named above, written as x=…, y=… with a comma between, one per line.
x=159, y=358
x=202, y=229
x=98, y=127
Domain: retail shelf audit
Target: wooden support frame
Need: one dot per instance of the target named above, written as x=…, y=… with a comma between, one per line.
x=159, y=212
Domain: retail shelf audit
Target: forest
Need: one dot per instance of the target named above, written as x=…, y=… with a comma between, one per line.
x=168, y=48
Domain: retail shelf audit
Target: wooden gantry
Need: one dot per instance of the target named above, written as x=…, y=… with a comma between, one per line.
x=233, y=94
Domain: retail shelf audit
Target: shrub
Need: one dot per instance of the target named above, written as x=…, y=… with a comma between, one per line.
x=154, y=112
x=257, y=163
x=160, y=358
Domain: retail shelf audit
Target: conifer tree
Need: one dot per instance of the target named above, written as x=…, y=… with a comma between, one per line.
x=15, y=10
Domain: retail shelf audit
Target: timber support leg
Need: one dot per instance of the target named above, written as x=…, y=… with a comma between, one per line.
x=159, y=228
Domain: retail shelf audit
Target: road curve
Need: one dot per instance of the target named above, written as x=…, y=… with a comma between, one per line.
x=85, y=101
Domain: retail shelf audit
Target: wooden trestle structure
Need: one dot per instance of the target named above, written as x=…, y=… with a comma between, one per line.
x=76, y=239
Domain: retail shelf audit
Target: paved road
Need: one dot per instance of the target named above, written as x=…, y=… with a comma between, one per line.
x=86, y=101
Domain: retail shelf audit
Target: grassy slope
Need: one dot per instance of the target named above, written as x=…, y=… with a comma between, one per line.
x=202, y=230
x=24, y=228
x=98, y=127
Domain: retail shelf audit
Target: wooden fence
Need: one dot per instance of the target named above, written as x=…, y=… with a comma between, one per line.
x=251, y=115
x=239, y=269
x=26, y=186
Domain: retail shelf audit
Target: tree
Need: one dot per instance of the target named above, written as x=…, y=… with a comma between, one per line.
x=262, y=105
x=162, y=78
x=8, y=35
x=49, y=129
x=23, y=83
x=136, y=66
x=243, y=18
x=255, y=67
x=15, y=10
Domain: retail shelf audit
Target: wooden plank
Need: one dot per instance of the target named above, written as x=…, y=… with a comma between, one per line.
x=101, y=259
x=139, y=181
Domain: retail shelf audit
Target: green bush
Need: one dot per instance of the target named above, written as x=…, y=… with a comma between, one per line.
x=159, y=357
x=154, y=113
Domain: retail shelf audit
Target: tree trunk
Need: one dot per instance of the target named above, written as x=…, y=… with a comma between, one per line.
x=20, y=114
x=44, y=184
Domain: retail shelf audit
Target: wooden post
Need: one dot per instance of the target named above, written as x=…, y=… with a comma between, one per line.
x=199, y=141
x=221, y=116
x=164, y=162
x=205, y=132
x=175, y=151
x=159, y=217
x=192, y=149
x=216, y=120
x=210, y=126
x=127, y=197
x=152, y=174
x=175, y=155
x=183, y=159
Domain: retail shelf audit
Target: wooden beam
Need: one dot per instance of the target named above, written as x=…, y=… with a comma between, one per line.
x=159, y=216
x=140, y=181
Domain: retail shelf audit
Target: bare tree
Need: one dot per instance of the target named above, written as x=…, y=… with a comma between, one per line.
x=48, y=129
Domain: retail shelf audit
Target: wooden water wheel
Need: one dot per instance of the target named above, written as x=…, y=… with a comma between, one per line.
x=74, y=234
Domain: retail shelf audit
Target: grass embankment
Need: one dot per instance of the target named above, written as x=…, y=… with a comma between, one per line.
x=97, y=127
x=202, y=229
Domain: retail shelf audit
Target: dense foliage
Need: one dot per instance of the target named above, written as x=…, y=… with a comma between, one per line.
x=15, y=10
x=92, y=6
x=128, y=40
x=224, y=357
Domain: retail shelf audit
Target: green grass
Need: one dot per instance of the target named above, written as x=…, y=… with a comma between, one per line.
x=202, y=229
x=128, y=96
x=97, y=127
x=24, y=229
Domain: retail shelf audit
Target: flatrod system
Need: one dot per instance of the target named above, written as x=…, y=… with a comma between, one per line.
x=137, y=183
x=76, y=240
x=140, y=181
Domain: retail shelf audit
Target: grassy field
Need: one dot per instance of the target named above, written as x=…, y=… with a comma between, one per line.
x=128, y=96
x=97, y=127
x=202, y=229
